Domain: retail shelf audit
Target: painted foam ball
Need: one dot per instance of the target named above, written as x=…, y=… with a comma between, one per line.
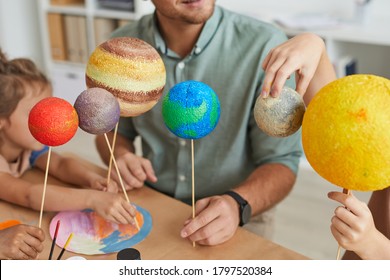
x=345, y=132
x=131, y=70
x=280, y=116
x=53, y=121
x=98, y=110
x=191, y=109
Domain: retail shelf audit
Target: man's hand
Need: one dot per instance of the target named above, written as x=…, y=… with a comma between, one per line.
x=215, y=222
x=135, y=170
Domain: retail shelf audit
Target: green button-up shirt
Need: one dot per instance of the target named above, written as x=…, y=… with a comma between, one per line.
x=227, y=57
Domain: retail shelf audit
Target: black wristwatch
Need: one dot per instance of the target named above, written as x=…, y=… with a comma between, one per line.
x=245, y=208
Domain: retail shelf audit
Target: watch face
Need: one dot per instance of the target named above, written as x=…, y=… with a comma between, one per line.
x=246, y=214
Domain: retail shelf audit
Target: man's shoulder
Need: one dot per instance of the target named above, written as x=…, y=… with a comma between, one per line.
x=249, y=25
x=133, y=28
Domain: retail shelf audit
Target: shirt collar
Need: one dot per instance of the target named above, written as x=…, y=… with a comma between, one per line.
x=158, y=39
x=205, y=37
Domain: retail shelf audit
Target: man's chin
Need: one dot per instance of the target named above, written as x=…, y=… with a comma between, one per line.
x=198, y=18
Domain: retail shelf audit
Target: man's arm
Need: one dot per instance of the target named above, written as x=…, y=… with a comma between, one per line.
x=217, y=217
x=122, y=146
x=266, y=186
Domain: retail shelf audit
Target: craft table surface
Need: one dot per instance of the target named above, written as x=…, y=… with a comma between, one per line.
x=164, y=241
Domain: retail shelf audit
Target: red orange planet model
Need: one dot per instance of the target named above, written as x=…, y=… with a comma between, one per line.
x=53, y=121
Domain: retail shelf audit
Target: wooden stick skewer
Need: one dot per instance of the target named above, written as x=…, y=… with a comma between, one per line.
x=193, y=182
x=120, y=177
x=44, y=187
x=112, y=154
x=339, y=248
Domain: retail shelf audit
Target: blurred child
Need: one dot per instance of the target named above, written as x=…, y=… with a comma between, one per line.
x=363, y=230
x=21, y=242
x=22, y=86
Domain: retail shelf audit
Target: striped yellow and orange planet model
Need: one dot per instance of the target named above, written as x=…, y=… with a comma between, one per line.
x=131, y=69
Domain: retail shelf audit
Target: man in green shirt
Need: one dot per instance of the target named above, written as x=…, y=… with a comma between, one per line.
x=200, y=41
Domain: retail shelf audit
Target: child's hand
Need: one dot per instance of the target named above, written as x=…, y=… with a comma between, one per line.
x=100, y=183
x=112, y=207
x=301, y=54
x=21, y=242
x=353, y=226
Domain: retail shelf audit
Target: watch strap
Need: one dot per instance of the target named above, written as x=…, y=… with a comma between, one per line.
x=240, y=200
x=241, y=203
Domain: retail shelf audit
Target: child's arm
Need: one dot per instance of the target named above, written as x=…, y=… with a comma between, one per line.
x=306, y=56
x=110, y=206
x=73, y=171
x=21, y=242
x=354, y=229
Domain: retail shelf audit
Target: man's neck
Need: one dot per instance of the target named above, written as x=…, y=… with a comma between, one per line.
x=180, y=37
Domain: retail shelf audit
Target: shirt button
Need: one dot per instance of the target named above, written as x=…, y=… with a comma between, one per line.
x=182, y=142
x=181, y=65
x=182, y=178
x=198, y=50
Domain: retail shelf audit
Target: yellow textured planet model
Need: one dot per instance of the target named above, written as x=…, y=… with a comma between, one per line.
x=131, y=69
x=346, y=132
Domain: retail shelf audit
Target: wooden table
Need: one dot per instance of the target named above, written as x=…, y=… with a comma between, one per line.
x=164, y=241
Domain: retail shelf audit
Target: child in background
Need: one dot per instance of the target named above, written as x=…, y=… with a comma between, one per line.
x=363, y=230
x=22, y=86
x=21, y=242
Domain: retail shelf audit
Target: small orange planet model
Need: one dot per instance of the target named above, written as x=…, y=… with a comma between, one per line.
x=53, y=121
x=280, y=116
x=131, y=70
x=345, y=132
